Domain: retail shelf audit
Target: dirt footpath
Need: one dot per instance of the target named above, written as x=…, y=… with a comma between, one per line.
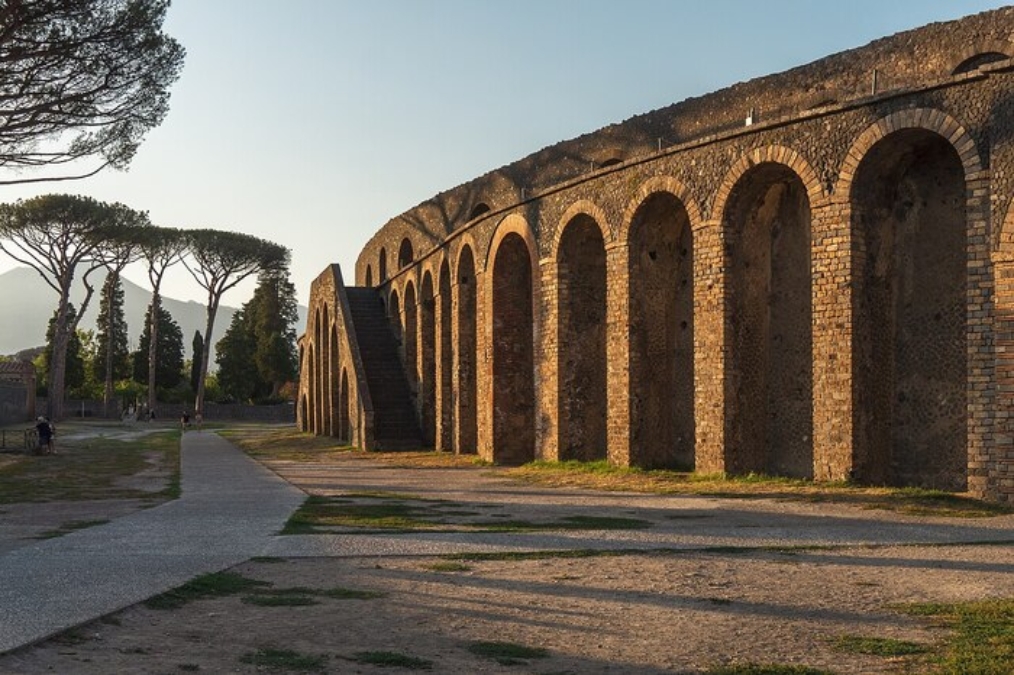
x=627, y=614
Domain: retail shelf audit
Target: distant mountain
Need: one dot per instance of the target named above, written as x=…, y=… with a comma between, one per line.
x=27, y=303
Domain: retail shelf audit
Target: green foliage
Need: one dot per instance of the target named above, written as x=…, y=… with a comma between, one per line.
x=982, y=641
x=169, y=369
x=765, y=669
x=262, y=333
x=111, y=332
x=84, y=79
x=74, y=373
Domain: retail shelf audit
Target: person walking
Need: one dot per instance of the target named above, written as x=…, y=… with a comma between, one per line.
x=184, y=420
x=45, y=431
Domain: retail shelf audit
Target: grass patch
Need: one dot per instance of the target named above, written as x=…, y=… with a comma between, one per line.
x=766, y=669
x=507, y=653
x=279, y=600
x=860, y=644
x=351, y=594
x=267, y=559
x=72, y=637
x=71, y=526
x=216, y=585
x=285, y=659
x=92, y=468
x=317, y=512
x=601, y=475
x=448, y=567
x=391, y=660
x=982, y=637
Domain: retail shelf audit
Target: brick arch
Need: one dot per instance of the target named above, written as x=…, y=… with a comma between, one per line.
x=653, y=186
x=770, y=154
x=917, y=118
x=516, y=224
x=465, y=239
x=578, y=208
x=984, y=46
x=1003, y=251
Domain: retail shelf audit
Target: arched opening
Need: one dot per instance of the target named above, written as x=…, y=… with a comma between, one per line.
x=770, y=382
x=466, y=352
x=394, y=314
x=581, y=288
x=613, y=161
x=908, y=209
x=344, y=434
x=369, y=277
x=978, y=61
x=303, y=412
x=513, y=363
x=382, y=266
x=311, y=420
x=318, y=374
x=661, y=273
x=405, y=255
x=334, y=402
x=446, y=360
x=410, y=337
x=478, y=210
x=427, y=361
x=326, y=383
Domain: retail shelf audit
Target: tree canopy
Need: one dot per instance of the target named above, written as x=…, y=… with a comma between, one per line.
x=82, y=79
x=169, y=370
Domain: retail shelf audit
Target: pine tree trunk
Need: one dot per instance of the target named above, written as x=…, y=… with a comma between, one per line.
x=206, y=353
x=107, y=392
x=58, y=362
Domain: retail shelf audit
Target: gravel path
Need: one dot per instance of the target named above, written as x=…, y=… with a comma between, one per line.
x=230, y=507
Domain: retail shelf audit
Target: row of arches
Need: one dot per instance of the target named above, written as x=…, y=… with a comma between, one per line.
x=325, y=406
x=437, y=328
x=898, y=246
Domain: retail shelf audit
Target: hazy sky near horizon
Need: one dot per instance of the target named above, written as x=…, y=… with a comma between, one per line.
x=313, y=122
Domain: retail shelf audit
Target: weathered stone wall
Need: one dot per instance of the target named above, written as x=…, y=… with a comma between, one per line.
x=833, y=265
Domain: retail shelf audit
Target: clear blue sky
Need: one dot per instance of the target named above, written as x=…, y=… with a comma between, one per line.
x=313, y=122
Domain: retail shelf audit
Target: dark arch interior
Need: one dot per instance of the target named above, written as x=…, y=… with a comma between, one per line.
x=394, y=314
x=978, y=61
x=343, y=409
x=369, y=276
x=334, y=402
x=446, y=360
x=405, y=255
x=662, y=334
x=382, y=266
x=427, y=362
x=410, y=337
x=908, y=206
x=513, y=363
x=581, y=283
x=466, y=346
x=611, y=162
x=771, y=379
x=478, y=210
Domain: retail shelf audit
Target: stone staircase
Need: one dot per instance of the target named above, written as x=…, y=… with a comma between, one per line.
x=396, y=426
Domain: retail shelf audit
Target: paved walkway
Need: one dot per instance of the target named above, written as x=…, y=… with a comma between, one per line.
x=229, y=510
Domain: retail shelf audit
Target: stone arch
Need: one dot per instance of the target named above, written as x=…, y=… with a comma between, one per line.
x=650, y=187
x=580, y=255
x=382, y=266
x=326, y=384
x=659, y=232
x=479, y=209
x=394, y=314
x=318, y=379
x=334, y=402
x=344, y=434
x=907, y=196
x=586, y=208
x=410, y=335
x=466, y=317
x=769, y=154
x=445, y=358
x=369, y=276
x=512, y=261
x=405, y=254
x=311, y=420
x=766, y=218
x=427, y=359
x=982, y=53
